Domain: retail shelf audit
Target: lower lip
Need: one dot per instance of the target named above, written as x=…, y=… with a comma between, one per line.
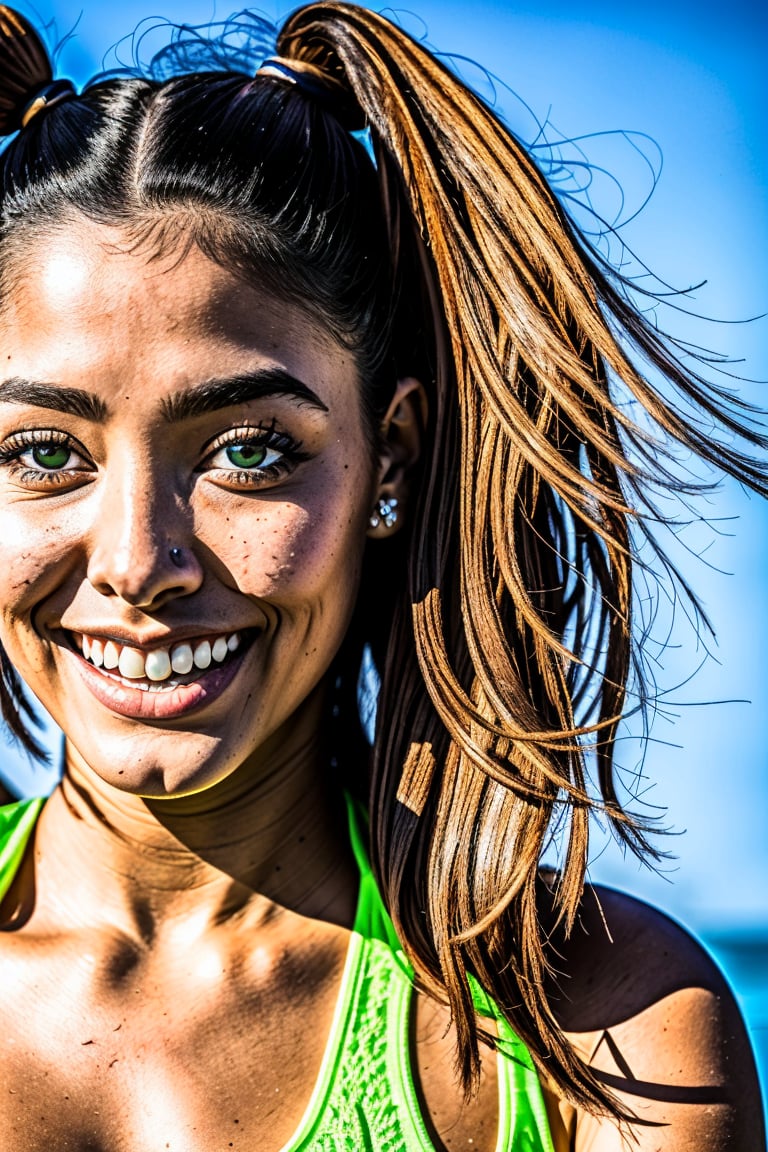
x=168, y=704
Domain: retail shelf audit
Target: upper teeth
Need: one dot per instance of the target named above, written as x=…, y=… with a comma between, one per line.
x=160, y=662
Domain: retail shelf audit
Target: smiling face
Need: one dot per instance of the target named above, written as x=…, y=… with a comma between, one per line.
x=185, y=486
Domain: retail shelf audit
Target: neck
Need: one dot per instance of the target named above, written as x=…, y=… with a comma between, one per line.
x=268, y=839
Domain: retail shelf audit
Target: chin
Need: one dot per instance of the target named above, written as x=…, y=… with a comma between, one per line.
x=179, y=766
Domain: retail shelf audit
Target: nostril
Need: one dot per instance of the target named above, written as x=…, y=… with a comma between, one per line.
x=145, y=577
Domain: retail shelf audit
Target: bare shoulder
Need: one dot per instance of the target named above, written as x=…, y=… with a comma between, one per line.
x=624, y=955
x=647, y=1007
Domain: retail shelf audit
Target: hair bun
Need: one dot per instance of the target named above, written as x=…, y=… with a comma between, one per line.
x=25, y=68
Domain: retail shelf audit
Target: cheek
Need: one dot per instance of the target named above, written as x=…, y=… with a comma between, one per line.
x=40, y=570
x=35, y=552
x=292, y=552
x=257, y=547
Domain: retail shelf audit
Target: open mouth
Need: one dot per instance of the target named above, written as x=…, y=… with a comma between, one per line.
x=164, y=668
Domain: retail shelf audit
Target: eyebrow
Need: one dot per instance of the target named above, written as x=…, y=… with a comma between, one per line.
x=209, y=396
x=240, y=389
x=73, y=401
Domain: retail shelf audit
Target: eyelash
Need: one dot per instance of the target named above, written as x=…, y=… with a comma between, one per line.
x=16, y=446
x=257, y=436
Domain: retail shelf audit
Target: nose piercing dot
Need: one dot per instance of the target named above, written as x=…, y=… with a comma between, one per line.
x=177, y=557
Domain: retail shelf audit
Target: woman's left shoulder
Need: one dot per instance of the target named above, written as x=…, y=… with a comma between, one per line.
x=623, y=951
x=645, y=1004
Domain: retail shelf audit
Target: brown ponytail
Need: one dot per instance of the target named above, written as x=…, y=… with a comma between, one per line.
x=512, y=649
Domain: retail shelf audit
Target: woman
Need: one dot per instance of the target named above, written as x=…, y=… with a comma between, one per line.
x=274, y=408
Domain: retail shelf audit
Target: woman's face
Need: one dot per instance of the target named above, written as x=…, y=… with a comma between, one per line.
x=185, y=486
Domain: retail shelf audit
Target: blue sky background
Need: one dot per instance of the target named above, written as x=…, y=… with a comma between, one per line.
x=692, y=78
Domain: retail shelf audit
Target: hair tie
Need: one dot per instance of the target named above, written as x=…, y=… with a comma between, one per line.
x=26, y=75
x=46, y=97
x=305, y=76
x=329, y=92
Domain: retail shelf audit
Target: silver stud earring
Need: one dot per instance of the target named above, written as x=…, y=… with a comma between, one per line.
x=384, y=513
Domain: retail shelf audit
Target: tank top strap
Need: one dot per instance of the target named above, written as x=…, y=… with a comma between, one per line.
x=523, y=1125
x=17, y=823
x=372, y=920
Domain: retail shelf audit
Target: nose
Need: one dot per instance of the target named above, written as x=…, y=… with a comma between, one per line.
x=140, y=549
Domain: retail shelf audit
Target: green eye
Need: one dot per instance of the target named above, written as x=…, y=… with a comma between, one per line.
x=51, y=455
x=247, y=455
x=252, y=457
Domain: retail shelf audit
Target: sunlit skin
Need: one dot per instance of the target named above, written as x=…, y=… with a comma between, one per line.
x=90, y=547
x=176, y=940
x=209, y=844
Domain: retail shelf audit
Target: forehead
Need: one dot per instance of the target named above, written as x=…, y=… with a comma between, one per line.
x=88, y=271
x=83, y=300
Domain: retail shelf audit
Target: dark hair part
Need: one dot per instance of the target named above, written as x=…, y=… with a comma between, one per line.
x=501, y=618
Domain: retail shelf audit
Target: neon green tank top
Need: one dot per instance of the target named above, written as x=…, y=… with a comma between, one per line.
x=364, y=1099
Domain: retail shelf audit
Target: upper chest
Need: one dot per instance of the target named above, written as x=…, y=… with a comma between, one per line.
x=112, y=1048
x=107, y=1050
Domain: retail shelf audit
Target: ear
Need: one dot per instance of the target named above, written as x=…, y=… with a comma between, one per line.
x=402, y=435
